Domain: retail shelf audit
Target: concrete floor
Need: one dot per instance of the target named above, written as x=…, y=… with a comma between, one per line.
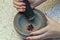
x=7, y=14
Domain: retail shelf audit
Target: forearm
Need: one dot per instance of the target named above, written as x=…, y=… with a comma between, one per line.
x=38, y=2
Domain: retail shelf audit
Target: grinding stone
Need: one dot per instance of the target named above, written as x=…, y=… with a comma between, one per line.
x=21, y=23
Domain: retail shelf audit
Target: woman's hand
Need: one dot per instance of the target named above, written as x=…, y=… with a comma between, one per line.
x=52, y=30
x=20, y=5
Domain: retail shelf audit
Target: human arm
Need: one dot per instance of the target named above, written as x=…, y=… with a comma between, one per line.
x=20, y=5
x=52, y=30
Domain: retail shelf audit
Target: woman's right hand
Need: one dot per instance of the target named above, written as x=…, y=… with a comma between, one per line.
x=20, y=5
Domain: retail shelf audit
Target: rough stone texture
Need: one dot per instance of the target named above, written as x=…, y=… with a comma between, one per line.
x=7, y=14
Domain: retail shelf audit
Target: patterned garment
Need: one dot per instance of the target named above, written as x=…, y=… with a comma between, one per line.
x=54, y=13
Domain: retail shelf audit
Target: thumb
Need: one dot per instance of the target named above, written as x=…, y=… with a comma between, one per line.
x=50, y=20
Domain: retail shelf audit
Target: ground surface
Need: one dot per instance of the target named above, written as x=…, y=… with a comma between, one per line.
x=7, y=14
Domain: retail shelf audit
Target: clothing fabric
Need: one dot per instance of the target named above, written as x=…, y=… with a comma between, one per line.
x=54, y=13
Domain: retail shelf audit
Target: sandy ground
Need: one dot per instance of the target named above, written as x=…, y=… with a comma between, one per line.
x=7, y=14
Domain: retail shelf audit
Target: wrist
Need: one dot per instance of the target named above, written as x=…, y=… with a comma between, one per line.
x=37, y=2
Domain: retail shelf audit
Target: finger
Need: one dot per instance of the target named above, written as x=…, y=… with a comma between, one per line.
x=41, y=31
x=37, y=37
x=21, y=10
x=19, y=3
x=19, y=7
x=18, y=0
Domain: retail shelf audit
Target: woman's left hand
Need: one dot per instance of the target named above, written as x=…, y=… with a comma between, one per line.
x=52, y=30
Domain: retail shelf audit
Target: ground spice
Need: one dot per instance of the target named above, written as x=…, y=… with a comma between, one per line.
x=30, y=27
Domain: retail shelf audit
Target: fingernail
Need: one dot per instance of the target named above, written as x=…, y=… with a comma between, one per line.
x=27, y=38
x=24, y=7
